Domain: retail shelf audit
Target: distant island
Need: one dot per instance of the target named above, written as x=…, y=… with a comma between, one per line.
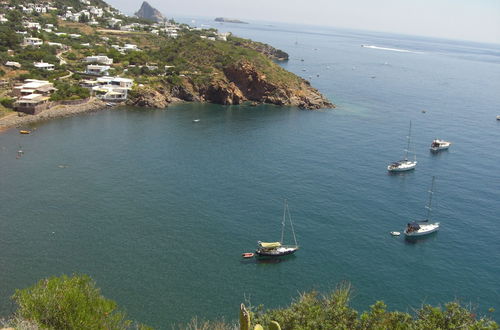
x=148, y=12
x=229, y=20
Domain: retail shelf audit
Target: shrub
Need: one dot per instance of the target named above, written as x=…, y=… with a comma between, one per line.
x=69, y=303
x=7, y=102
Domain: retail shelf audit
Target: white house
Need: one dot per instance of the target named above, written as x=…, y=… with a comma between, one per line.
x=35, y=42
x=102, y=59
x=32, y=25
x=41, y=9
x=32, y=86
x=13, y=64
x=98, y=70
x=44, y=66
x=55, y=44
x=112, y=88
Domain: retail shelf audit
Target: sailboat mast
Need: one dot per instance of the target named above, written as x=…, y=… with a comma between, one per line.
x=429, y=205
x=408, y=143
x=291, y=226
x=285, y=206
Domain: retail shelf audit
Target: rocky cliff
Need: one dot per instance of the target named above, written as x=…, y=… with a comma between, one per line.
x=149, y=13
x=241, y=82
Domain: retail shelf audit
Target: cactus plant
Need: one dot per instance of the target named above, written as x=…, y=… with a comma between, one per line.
x=274, y=326
x=244, y=318
x=245, y=323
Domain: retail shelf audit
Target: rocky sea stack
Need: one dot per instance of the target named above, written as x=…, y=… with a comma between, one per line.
x=148, y=12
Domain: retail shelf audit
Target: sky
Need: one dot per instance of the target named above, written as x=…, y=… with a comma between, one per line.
x=475, y=20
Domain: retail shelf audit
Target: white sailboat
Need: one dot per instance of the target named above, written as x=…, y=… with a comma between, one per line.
x=423, y=227
x=405, y=164
x=277, y=249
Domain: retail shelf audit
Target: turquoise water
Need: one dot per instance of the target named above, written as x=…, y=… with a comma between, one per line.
x=157, y=209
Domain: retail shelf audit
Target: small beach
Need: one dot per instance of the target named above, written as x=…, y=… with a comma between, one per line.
x=18, y=119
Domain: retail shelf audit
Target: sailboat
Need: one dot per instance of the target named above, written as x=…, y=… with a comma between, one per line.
x=277, y=249
x=405, y=164
x=423, y=227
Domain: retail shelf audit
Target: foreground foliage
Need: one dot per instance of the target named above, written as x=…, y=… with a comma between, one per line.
x=312, y=311
x=76, y=303
x=69, y=303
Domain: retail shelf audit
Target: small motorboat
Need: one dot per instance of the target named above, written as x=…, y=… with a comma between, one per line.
x=395, y=233
x=438, y=145
x=498, y=117
x=196, y=120
x=24, y=131
x=247, y=255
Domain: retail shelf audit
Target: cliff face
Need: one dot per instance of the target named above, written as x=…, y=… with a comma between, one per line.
x=150, y=13
x=241, y=82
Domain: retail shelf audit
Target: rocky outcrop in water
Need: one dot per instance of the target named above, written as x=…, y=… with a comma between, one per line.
x=148, y=12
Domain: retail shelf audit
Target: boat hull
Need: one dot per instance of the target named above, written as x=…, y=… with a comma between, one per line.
x=423, y=230
x=438, y=145
x=402, y=166
x=280, y=252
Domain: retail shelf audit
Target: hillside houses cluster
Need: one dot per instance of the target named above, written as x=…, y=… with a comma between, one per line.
x=33, y=96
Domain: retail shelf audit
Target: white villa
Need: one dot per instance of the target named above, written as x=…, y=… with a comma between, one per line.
x=13, y=64
x=35, y=42
x=44, y=66
x=33, y=86
x=112, y=89
x=102, y=59
x=98, y=70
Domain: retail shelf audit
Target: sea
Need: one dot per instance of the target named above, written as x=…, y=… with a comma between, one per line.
x=158, y=209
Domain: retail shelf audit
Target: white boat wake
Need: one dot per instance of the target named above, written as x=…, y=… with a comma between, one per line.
x=391, y=49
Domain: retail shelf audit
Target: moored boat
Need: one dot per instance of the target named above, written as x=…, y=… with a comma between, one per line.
x=278, y=249
x=438, y=145
x=423, y=227
x=404, y=164
x=24, y=131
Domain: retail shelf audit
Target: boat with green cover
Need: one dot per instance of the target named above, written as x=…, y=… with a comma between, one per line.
x=278, y=249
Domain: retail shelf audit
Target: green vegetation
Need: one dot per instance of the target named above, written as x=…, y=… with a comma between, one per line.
x=312, y=311
x=69, y=303
x=76, y=303
x=66, y=91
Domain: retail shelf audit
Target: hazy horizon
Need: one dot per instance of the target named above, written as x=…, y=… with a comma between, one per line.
x=457, y=20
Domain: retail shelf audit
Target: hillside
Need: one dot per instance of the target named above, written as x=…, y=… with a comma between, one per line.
x=167, y=62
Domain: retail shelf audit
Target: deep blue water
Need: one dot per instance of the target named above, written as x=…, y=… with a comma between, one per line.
x=157, y=209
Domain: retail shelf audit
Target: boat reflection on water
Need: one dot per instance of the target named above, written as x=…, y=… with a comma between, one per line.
x=268, y=260
x=413, y=240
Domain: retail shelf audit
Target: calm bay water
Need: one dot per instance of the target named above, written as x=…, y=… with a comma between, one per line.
x=157, y=209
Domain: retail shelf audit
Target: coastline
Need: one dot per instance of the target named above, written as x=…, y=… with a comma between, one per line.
x=58, y=111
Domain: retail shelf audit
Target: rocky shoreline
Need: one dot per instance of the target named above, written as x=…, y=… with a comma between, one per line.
x=238, y=83
x=18, y=120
